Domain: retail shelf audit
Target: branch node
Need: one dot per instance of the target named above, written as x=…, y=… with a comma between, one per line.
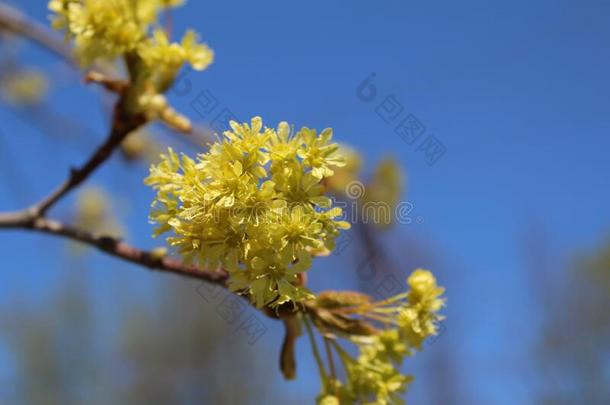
x=113, y=85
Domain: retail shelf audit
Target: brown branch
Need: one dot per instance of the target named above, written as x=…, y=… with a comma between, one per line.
x=112, y=246
x=27, y=220
x=123, y=125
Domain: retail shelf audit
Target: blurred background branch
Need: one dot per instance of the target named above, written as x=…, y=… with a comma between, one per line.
x=18, y=23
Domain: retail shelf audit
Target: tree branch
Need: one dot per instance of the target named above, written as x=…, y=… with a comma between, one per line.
x=112, y=246
x=15, y=21
x=122, y=126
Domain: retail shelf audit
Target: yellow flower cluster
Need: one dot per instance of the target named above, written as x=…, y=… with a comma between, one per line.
x=373, y=377
x=107, y=29
x=418, y=317
x=254, y=204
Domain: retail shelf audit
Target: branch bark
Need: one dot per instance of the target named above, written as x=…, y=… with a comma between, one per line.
x=112, y=246
x=122, y=126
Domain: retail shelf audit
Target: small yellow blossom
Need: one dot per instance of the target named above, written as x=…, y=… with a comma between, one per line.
x=418, y=319
x=160, y=52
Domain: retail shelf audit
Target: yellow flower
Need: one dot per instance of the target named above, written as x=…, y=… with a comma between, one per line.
x=318, y=153
x=418, y=319
x=258, y=213
x=160, y=52
x=100, y=28
x=373, y=377
x=198, y=55
x=107, y=29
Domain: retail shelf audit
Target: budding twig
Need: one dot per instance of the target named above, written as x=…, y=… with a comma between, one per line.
x=122, y=126
x=18, y=23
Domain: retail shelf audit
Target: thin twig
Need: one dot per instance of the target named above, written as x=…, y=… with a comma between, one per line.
x=15, y=21
x=122, y=126
x=329, y=355
x=111, y=246
x=314, y=350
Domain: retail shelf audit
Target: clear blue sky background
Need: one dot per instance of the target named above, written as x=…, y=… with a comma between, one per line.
x=517, y=92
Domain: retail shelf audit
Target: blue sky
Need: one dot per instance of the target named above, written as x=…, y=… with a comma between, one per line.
x=517, y=92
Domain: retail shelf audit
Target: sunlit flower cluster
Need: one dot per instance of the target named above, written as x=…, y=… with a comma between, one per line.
x=256, y=205
x=407, y=319
x=253, y=205
x=107, y=29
